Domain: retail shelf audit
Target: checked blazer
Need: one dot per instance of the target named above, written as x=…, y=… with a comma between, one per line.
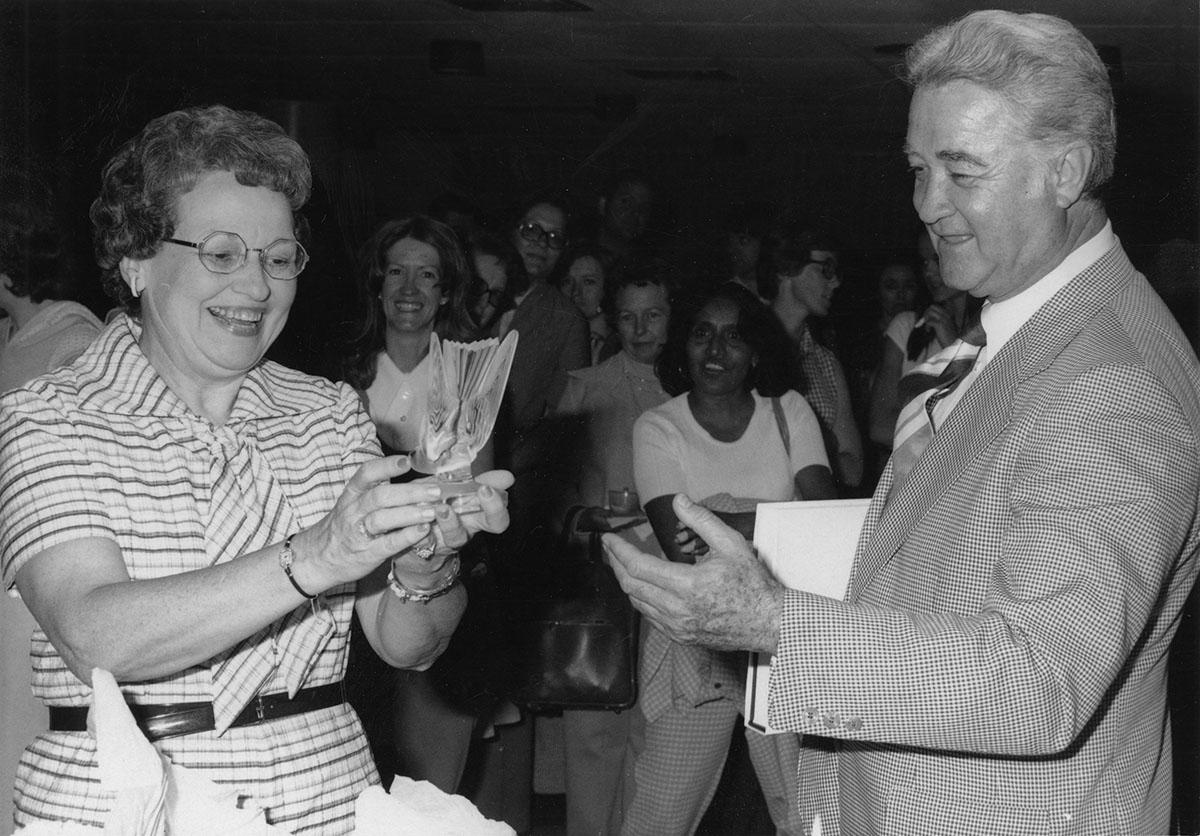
x=1000, y=663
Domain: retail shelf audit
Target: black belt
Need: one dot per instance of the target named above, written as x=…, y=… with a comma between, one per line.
x=159, y=721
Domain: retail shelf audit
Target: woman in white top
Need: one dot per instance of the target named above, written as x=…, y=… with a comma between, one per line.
x=413, y=281
x=735, y=435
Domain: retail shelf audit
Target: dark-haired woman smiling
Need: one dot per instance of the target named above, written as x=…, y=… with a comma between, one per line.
x=733, y=436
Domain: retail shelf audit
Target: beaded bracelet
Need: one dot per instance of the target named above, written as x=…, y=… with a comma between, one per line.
x=420, y=595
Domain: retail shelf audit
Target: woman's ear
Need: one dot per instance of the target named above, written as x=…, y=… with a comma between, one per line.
x=133, y=271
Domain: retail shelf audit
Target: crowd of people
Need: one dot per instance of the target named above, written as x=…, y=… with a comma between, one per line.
x=157, y=469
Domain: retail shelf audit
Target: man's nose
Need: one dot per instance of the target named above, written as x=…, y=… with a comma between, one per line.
x=929, y=199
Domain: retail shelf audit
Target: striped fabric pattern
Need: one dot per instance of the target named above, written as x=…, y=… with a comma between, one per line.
x=921, y=389
x=103, y=448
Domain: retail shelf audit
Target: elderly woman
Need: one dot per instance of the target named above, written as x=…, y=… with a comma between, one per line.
x=607, y=399
x=202, y=523
x=737, y=435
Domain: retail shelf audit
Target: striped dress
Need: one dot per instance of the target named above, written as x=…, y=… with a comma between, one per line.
x=103, y=448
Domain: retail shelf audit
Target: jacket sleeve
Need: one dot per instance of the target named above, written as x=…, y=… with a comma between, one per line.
x=1093, y=561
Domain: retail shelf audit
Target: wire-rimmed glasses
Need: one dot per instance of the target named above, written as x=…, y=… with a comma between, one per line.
x=225, y=252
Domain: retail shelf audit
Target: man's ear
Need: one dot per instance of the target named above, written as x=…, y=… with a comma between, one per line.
x=1070, y=172
x=133, y=271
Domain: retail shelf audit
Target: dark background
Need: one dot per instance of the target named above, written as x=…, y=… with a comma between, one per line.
x=788, y=102
x=792, y=103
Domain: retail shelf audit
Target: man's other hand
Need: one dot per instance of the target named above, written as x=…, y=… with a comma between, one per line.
x=727, y=600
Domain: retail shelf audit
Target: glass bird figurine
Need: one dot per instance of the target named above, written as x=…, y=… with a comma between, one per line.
x=466, y=387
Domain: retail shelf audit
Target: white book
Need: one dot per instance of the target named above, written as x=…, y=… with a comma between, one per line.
x=807, y=546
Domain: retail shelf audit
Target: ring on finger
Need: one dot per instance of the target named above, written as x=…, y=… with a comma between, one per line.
x=425, y=549
x=362, y=528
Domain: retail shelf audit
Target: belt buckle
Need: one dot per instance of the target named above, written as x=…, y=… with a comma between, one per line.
x=260, y=708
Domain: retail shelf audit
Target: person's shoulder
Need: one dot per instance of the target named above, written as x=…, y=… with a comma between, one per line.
x=66, y=315
x=602, y=375
x=554, y=299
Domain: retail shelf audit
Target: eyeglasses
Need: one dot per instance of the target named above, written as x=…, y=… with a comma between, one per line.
x=535, y=234
x=225, y=252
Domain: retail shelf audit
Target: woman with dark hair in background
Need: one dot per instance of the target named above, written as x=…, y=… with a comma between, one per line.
x=553, y=341
x=747, y=248
x=202, y=523
x=584, y=279
x=498, y=269
x=735, y=434
x=606, y=400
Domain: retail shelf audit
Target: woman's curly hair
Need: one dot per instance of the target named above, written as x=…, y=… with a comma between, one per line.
x=143, y=181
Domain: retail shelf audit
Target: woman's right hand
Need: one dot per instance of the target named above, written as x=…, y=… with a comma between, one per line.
x=372, y=520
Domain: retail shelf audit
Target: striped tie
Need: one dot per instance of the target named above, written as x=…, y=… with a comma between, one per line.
x=921, y=389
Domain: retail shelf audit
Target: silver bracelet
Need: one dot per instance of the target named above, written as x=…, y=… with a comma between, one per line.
x=420, y=595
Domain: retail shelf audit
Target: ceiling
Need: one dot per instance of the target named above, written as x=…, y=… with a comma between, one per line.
x=725, y=99
x=728, y=63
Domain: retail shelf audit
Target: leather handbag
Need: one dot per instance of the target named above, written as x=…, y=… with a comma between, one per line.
x=574, y=639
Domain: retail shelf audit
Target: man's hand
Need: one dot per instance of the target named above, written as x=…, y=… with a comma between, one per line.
x=727, y=600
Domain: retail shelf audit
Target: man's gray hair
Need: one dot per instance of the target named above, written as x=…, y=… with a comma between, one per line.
x=1041, y=64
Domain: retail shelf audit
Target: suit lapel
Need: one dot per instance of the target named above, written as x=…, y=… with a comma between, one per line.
x=984, y=411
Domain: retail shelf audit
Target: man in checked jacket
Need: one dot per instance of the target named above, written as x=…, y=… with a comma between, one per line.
x=999, y=663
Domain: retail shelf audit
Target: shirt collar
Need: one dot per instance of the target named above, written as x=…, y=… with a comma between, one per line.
x=1001, y=320
x=124, y=382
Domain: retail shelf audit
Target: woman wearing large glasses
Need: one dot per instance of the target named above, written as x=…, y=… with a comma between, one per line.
x=554, y=335
x=201, y=522
x=553, y=341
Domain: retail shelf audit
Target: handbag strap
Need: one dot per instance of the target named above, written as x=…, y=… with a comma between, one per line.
x=783, y=427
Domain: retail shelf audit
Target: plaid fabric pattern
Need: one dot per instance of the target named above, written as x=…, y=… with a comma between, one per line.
x=821, y=373
x=999, y=665
x=103, y=448
x=677, y=763
x=921, y=389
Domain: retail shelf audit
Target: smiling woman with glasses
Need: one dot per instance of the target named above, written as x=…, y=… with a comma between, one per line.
x=203, y=523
